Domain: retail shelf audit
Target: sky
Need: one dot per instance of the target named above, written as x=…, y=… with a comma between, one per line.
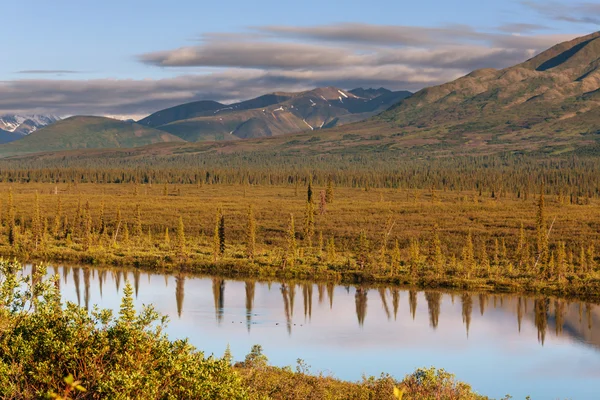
x=130, y=58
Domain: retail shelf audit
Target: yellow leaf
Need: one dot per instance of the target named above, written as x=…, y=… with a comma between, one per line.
x=398, y=393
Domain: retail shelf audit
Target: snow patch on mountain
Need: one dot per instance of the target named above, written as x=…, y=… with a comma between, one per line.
x=25, y=124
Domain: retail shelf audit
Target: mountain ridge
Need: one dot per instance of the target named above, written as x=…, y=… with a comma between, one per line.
x=272, y=114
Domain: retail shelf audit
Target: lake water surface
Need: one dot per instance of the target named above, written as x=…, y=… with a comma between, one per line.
x=546, y=348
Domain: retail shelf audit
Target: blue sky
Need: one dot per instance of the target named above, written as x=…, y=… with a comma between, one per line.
x=132, y=57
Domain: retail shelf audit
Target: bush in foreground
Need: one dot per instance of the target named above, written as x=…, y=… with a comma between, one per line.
x=129, y=356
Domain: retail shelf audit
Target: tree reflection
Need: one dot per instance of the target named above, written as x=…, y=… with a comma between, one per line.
x=330, y=289
x=386, y=308
x=250, y=288
x=361, y=305
x=412, y=302
x=307, y=291
x=541, y=318
x=467, y=309
x=433, y=305
x=179, y=293
x=218, y=288
x=286, y=307
x=77, y=284
x=86, y=287
x=395, y=301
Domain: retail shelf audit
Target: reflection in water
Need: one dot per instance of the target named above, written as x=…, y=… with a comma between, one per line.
x=483, y=302
x=250, y=287
x=330, y=288
x=433, y=305
x=307, y=290
x=136, y=281
x=286, y=307
x=548, y=315
x=559, y=315
x=86, y=287
x=412, y=302
x=395, y=301
x=179, y=292
x=516, y=333
x=218, y=287
x=321, y=290
x=541, y=318
x=361, y=304
x=77, y=284
x=386, y=308
x=467, y=309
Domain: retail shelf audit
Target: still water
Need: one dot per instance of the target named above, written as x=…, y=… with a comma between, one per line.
x=546, y=348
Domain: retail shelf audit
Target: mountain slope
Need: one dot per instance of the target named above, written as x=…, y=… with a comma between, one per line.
x=273, y=114
x=86, y=133
x=7, y=136
x=540, y=100
x=25, y=124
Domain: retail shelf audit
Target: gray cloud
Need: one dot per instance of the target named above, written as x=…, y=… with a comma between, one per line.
x=574, y=12
x=521, y=28
x=138, y=97
x=344, y=45
x=282, y=58
x=48, y=71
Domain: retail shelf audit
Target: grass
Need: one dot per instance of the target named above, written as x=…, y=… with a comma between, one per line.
x=382, y=216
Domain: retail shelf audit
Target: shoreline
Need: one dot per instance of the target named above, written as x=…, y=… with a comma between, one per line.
x=239, y=268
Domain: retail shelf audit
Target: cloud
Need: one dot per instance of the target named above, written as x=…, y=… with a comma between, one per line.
x=48, y=71
x=137, y=97
x=581, y=12
x=520, y=28
x=345, y=45
x=234, y=66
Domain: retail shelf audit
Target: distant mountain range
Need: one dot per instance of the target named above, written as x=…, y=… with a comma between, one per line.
x=272, y=114
x=549, y=104
x=87, y=133
x=13, y=127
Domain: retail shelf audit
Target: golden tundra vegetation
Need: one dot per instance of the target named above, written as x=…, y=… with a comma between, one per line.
x=348, y=226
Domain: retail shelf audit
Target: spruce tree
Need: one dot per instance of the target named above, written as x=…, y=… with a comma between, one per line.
x=329, y=191
x=541, y=233
x=362, y=253
x=12, y=228
x=56, y=230
x=167, y=238
x=395, y=258
x=222, y=234
x=181, y=236
x=468, y=256
x=438, y=255
x=291, y=250
x=138, y=231
x=309, y=223
x=36, y=225
x=102, y=219
x=331, y=252
x=414, y=255
x=250, y=233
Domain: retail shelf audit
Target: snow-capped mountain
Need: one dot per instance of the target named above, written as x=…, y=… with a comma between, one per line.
x=25, y=124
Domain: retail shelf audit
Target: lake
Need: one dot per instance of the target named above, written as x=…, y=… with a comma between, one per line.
x=544, y=347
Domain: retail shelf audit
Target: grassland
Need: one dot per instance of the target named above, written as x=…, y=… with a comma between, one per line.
x=428, y=238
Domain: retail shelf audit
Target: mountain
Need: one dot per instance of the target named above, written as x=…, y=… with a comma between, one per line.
x=552, y=100
x=7, y=136
x=25, y=124
x=549, y=104
x=86, y=133
x=272, y=114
